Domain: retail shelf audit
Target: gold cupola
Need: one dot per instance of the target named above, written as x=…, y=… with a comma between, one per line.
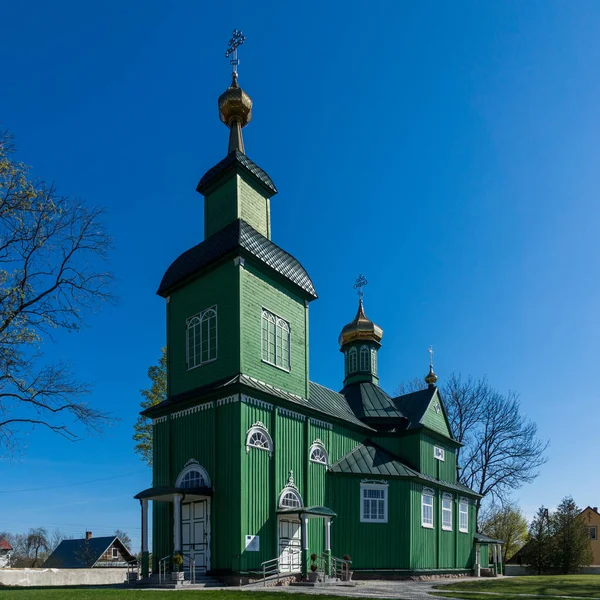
x=431, y=378
x=361, y=328
x=235, y=110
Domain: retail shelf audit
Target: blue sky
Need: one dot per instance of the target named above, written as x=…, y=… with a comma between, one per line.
x=448, y=151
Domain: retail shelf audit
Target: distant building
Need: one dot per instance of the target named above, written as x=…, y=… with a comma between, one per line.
x=89, y=553
x=6, y=551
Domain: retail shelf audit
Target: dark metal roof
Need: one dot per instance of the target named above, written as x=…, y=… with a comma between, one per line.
x=236, y=159
x=166, y=491
x=370, y=459
x=82, y=554
x=321, y=399
x=414, y=405
x=317, y=511
x=238, y=237
x=368, y=400
x=332, y=403
x=484, y=539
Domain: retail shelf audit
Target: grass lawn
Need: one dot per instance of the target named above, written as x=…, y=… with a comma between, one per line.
x=127, y=594
x=583, y=586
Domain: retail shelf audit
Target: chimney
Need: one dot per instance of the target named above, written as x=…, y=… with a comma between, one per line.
x=88, y=535
x=595, y=509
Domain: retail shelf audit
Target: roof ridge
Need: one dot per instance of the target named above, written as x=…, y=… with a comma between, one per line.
x=347, y=454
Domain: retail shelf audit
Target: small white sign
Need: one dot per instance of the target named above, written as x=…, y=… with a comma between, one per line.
x=252, y=543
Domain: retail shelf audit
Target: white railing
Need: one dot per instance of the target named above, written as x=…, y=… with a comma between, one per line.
x=162, y=568
x=273, y=566
x=339, y=568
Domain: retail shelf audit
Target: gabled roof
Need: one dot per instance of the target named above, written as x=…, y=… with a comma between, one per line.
x=4, y=545
x=237, y=237
x=368, y=400
x=414, y=405
x=83, y=553
x=322, y=400
x=370, y=459
x=484, y=539
x=233, y=160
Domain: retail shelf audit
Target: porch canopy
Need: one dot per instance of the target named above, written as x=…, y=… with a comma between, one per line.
x=168, y=493
x=307, y=511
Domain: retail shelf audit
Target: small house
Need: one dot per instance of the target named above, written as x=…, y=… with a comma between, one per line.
x=6, y=551
x=90, y=553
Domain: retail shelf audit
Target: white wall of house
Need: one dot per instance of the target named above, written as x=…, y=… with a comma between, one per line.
x=4, y=558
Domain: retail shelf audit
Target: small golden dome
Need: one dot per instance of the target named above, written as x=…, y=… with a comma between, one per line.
x=235, y=105
x=361, y=328
x=431, y=378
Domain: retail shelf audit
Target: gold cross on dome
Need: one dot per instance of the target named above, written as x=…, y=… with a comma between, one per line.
x=361, y=281
x=430, y=356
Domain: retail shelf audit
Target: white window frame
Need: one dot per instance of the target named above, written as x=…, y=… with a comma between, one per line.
x=196, y=361
x=364, y=359
x=290, y=491
x=115, y=552
x=439, y=453
x=594, y=529
x=318, y=445
x=374, y=361
x=192, y=465
x=428, y=493
x=282, y=356
x=463, y=510
x=447, y=502
x=352, y=360
x=259, y=427
x=379, y=486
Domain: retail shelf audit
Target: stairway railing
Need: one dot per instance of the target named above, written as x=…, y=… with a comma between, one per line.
x=273, y=566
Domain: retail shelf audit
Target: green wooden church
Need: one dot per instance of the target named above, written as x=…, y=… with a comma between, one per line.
x=253, y=461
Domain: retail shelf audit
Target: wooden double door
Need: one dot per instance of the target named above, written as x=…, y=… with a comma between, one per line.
x=195, y=535
x=290, y=545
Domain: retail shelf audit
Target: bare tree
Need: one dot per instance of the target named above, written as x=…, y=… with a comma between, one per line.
x=501, y=450
x=52, y=250
x=56, y=538
x=37, y=542
x=124, y=537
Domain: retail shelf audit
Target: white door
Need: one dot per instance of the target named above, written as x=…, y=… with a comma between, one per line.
x=290, y=545
x=195, y=535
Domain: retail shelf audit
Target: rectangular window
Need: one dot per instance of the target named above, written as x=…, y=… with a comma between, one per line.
x=275, y=340
x=438, y=453
x=447, y=512
x=202, y=338
x=593, y=533
x=115, y=553
x=427, y=512
x=463, y=516
x=374, y=505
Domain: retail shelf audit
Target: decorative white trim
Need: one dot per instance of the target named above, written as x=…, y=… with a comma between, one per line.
x=256, y=402
x=162, y=419
x=228, y=400
x=290, y=482
x=463, y=502
x=293, y=415
x=319, y=423
x=168, y=299
x=192, y=465
x=193, y=409
x=428, y=490
x=275, y=388
x=238, y=261
x=259, y=427
x=290, y=488
x=318, y=445
x=431, y=494
x=448, y=499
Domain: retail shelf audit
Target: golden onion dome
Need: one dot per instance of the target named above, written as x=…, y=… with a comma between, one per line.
x=361, y=328
x=431, y=378
x=235, y=106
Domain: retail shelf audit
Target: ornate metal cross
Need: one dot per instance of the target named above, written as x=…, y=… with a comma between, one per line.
x=430, y=356
x=237, y=39
x=360, y=283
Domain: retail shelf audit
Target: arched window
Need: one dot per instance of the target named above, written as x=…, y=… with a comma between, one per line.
x=352, y=360
x=258, y=437
x=193, y=476
x=290, y=498
x=374, y=361
x=318, y=453
x=202, y=338
x=364, y=358
x=275, y=340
